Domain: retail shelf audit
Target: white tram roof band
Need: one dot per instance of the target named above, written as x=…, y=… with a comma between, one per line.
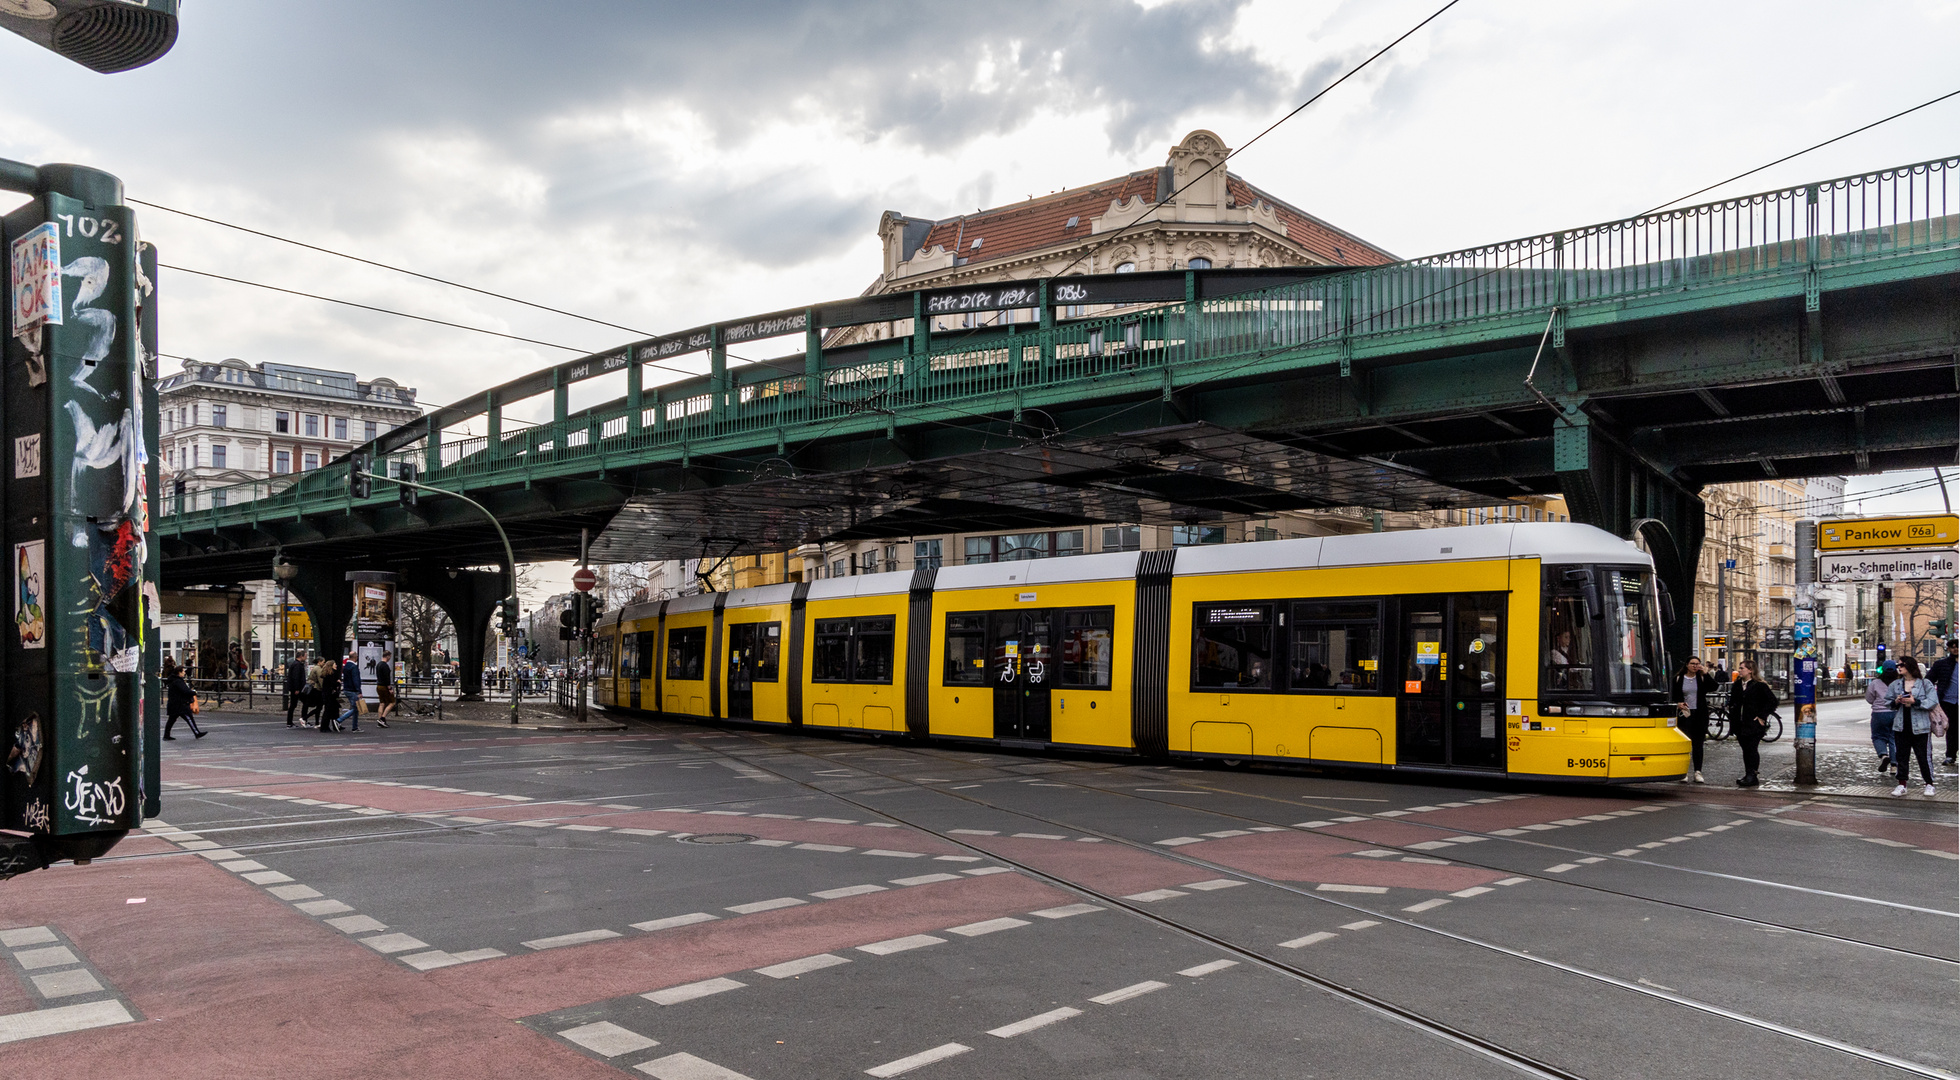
x=1552, y=542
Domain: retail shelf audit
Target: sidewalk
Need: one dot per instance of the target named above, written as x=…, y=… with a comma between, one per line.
x=1846, y=766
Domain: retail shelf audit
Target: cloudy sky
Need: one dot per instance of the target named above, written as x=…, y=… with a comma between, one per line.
x=659, y=165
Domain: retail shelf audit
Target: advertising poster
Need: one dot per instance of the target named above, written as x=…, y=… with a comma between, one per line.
x=30, y=577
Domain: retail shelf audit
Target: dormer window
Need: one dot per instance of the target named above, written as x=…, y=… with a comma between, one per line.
x=1126, y=268
x=1072, y=222
x=1200, y=263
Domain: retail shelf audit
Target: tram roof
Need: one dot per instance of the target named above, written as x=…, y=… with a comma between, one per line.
x=1554, y=542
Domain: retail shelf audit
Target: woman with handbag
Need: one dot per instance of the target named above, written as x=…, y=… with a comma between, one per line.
x=180, y=701
x=1751, y=702
x=1915, y=697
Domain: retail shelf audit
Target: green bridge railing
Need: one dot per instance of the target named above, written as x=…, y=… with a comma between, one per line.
x=1781, y=237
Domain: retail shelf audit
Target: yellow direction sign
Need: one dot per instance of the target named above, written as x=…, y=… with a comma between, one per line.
x=1916, y=531
x=299, y=625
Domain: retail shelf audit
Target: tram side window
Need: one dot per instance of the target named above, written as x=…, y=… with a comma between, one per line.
x=966, y=650
x=830, y=659
x=769, y=652
x=602, y=658
x=873, y=660
x=687, y=652
x=1568, y=647
x=1233, y=647
x=1336, y=647
x=1088, y=647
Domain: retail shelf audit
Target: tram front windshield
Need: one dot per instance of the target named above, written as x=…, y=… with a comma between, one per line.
x=1602, y=632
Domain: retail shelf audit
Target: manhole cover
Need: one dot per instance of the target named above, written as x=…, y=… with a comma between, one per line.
x=717, y=838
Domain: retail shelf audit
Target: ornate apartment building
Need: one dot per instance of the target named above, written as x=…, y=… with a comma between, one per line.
x=231, y=422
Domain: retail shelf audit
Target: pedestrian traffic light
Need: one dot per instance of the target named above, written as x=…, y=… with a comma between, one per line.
x=406, y=471
x=357, y=475
x=105, y=35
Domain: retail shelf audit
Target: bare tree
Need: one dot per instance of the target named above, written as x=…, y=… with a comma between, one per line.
x=421, y=624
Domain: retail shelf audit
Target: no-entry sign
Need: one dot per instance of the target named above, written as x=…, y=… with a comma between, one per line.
x=583, y=579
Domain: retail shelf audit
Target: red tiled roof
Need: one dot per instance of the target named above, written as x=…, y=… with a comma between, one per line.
x=1007, y=231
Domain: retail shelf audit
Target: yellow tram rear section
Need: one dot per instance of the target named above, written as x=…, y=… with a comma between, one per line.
x=1529, y=651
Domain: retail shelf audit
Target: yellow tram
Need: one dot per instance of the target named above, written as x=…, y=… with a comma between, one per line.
x=1525, y=650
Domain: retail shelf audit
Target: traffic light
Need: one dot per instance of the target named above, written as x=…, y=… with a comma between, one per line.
x=590, y=616
x=1938, y=629
x=567, y=624
x=406, y=471
x=357, y=476
x=104, y=35
x=508, y=615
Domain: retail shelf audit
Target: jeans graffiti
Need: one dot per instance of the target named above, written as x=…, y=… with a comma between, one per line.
x=96, y=804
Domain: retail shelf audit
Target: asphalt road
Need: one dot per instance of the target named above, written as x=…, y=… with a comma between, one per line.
x=692, y=903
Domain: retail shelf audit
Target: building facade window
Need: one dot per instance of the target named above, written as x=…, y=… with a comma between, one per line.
x=310, y=462
x=218, y=455
x=928, y=554
x=368, y=431
x=282, y=462
x=1192, y=535
x=1122, y=538
x=282, y=423
x=1199, y=263
x=311, y=425
x=1126, y=268
x=1018, y=547
x=340, y=428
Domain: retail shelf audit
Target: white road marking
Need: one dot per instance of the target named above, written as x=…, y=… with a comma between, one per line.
x=66, y=983
x=393, y=943
x=974, y=832
x=62, y=1019
x=834, y=820
x=473, y=955
x=1065, y=911
x=1208, y=969
x=893, y=854
x=676, y=920
x=1180, y=841
x=1474, y=890
x=1561, y=868
x=607, y=1040
x=848, y=890
x=1040, y=836
x=1155, y=895
x=686, y=1067
x=265, y=877
x=1362, y=925
x=53, y=956
x=988, y=927
x=629, y=832
x=1427, y=905
x=903, y=944
x=985, y=870
x=674, y=995
x=431, y=960
x=21, y=937
x=1022, y=1027
x=242, y=865
x=323, y=907
x=295, y=892
x=560, y=941
x=1511, y=881
x=581, y=828
x=925, y=879
x=1313, y=824
x=956, y=858
x=792, y=968
x=902, y=1065
x=1213, y=885
x=1333, y=887
x=772, y=843
x=357, y=924
x=766, y=905
x=1314, y=938
x=821, y=847
x=1135, y=991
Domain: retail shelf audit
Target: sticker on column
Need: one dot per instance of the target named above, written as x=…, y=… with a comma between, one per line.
x=1513, y=706
x=30, y=572
x=27, y=457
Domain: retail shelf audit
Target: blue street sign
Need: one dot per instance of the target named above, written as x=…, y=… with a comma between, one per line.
x=1728, y=564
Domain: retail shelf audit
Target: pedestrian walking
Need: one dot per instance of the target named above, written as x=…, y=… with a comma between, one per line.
x=1878, y=695
x=295, y=686
x=329, y=673
x=1750, y=703
x=180, y=701
x=350, y=692
x=384, y=690
x=1915, y=697
x=1691, y=697
x=1943, y=675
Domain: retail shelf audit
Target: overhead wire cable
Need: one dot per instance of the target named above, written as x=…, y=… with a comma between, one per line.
x=387, y=266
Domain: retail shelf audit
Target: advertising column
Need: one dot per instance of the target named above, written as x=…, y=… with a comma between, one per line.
x=1803, y=659
x=374, y=624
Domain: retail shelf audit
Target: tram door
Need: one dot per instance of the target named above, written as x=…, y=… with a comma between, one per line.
x=1451, y=708
x=1021, y=669
x=642, y=667
x=744, y=651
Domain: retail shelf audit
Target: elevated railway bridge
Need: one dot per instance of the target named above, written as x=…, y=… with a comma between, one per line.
x=1809, y=330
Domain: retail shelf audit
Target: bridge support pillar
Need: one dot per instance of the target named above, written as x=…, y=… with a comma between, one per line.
x=1608, y=486
x=470, y=599
x=322, y=587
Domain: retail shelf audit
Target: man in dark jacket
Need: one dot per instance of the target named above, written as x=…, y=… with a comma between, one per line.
x=295, y=684
x=350, y=691
x=1691, y=697
x=1944, y=670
